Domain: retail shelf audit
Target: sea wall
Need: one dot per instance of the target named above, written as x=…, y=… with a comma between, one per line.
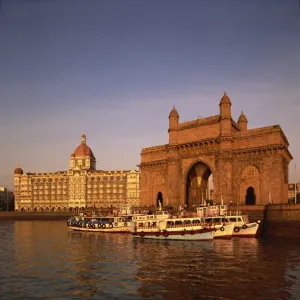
x=282, y=220
x=11, y=215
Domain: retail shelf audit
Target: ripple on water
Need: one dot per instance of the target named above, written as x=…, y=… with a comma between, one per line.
x=43, y=260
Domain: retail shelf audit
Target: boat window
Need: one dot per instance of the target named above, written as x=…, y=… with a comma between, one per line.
x=232, y=219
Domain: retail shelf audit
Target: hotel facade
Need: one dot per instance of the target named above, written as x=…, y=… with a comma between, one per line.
x=80, y=187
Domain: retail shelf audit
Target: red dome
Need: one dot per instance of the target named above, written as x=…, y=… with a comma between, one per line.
x=18, y=171
x=83, y=150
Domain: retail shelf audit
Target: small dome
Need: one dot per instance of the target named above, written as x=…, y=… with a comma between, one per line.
x=173, y=113
x=242, y=118
x=225, y=99
x=18, y=171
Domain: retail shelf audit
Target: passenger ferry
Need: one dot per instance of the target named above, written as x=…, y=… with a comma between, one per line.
x=166, y=228
x=111, y=224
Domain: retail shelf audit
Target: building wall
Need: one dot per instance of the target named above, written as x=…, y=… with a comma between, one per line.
x=71, y=190
x=82, y=186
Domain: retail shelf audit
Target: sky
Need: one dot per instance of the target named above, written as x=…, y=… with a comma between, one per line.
x=113, y=69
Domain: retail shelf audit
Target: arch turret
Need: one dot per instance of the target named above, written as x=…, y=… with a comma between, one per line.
x=225, y=115
x=225, y=106
x=173, y=126
x=242, y=121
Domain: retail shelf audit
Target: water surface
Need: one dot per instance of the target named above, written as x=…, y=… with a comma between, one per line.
x=44, y=260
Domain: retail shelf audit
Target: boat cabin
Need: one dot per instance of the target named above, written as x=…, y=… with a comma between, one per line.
x=211, y=211
x=237, y=220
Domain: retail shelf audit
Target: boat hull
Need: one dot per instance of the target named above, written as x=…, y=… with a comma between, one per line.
x=106, y=230
x=182, y=235
x=224, y=231
x=250, y=230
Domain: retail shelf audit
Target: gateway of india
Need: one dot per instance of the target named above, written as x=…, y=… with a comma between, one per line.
x=247, y=166
x=80, y=187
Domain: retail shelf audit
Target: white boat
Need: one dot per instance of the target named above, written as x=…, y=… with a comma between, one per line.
x=191, y=229
x=109, y=224
x=241, y=225
x=218, y=214
x=223, y=231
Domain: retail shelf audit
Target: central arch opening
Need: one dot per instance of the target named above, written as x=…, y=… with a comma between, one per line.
x=198, y=185
x=250, y=196
x=159, y=199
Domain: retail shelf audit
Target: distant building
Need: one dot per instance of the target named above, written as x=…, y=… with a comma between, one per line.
x=6, y=199
x=292, y=192
x=82, y=186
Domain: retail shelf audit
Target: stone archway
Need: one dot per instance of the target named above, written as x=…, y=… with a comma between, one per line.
x=250, y=183
x=197, y=184
x=159, y=199
x=250, y=198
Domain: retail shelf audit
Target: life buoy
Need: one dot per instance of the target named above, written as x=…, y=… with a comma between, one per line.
x=111, y=225
x=125, y=223
x=166, y=234
x=93, y=226
x=142, y=233
x=116, y=224
x=244, y=226
x=103, y=226
x=157, y=233
x=236, y=229
x=192, y=232
x=222, y=228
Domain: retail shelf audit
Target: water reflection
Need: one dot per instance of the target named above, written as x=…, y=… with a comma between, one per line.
x=42, y=259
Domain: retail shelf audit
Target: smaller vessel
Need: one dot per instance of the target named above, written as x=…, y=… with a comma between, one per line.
x=167, y=228
x=240, y=223
x=217, y=215
x=111, y=224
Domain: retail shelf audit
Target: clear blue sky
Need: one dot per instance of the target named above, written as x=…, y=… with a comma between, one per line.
x=114, y=69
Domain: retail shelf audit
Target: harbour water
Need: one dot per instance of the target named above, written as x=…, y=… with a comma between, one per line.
x=45, y=260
